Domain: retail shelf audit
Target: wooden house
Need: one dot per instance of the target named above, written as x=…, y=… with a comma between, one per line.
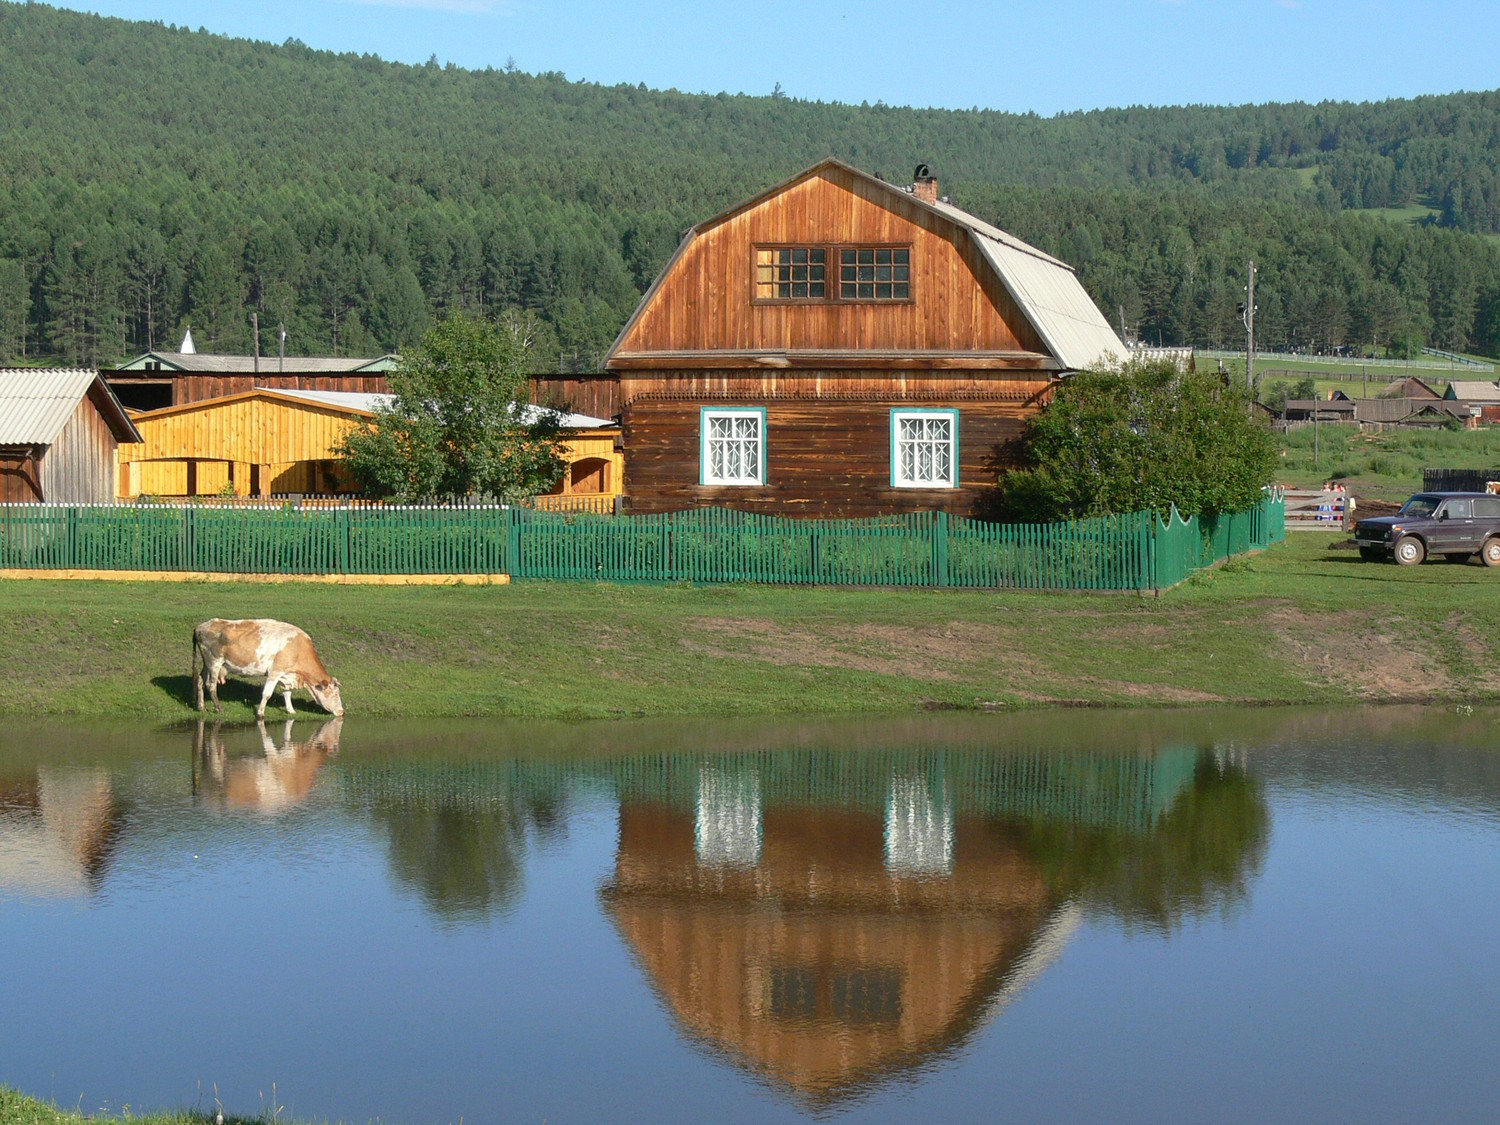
x=59, y=430
x=1476, y=393
x=839, y=345
x=281, y=442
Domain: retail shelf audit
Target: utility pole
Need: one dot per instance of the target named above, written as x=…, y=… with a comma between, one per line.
x=255, y=330
x=1247, y=314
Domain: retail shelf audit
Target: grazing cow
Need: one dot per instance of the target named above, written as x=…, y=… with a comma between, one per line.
x=282, y=653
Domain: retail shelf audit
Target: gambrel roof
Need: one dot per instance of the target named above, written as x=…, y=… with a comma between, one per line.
x=1045, y=290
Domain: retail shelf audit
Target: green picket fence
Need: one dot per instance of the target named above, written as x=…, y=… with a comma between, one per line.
x=1136, y=551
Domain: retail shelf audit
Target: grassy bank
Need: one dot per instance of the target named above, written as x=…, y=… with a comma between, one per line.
x=17, y=1109
x=1303, y=623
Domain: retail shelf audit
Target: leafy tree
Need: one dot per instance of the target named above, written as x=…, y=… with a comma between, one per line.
x=1142, y=436
x=460, y=423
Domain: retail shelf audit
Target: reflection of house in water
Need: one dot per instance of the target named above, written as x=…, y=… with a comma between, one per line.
x=58, y=830
x=829, y=932
x=276, y=777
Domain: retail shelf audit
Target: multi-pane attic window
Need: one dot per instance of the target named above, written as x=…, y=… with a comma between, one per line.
x=874, y=274
x=791, y=273
x=800, y=273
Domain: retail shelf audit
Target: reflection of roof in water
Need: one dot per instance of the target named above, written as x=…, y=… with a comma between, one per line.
x=819, y=966
x=58, y=831
x=1122, y=791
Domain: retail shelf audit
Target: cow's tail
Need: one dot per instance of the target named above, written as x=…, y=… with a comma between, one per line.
x=198, y=668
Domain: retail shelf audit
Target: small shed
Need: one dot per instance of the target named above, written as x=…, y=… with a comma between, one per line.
x=281, y=442
x=59, y=432
x=1318, y=410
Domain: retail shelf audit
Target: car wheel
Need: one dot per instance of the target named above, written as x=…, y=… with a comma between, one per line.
x=1490, y=552
x=1458, y=556
x=1410, y=550
x=1369, y=554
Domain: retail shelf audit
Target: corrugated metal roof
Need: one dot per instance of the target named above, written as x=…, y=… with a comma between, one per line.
x=36, y=402
x=246, y=364
x=370, y=403
x=367, y=401
x=1048, y=291
x=1474, y=391
x=1056, y=303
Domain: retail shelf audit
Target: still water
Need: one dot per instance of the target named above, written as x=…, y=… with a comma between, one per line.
x=1226, y=916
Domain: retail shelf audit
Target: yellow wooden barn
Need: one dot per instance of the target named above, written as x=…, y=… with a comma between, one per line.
x=270, y=443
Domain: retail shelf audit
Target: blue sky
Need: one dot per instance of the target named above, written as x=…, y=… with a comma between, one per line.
x=1039, y=56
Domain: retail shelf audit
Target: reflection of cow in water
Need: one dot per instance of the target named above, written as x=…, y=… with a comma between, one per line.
x=278, y=778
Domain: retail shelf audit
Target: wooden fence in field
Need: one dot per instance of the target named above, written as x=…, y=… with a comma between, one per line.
x=1459, y=480
x=1317, y=509
x=1137, y=551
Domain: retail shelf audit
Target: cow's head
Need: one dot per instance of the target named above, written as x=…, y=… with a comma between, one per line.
x=328, y=697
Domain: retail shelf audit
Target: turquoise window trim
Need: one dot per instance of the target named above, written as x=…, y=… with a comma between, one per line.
x=703, y=416
x=899, y=412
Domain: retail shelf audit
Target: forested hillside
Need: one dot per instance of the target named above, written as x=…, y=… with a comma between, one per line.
x=155, y=177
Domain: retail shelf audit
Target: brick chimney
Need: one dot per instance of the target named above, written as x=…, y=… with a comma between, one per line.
x=924, y=185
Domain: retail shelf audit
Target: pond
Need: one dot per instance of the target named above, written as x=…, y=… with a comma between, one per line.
x=1214, y=915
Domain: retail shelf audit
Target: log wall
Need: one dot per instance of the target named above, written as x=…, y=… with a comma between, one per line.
x=827, y=457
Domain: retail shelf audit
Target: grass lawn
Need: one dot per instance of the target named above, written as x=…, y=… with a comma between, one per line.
x=1304, y=622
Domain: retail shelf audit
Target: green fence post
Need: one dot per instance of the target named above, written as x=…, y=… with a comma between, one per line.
x=940, y=549
x=513, y=543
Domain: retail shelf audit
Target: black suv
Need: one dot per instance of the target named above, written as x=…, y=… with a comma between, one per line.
x=1456, y=525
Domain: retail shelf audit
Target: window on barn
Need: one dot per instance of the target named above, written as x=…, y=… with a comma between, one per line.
x=791, y=273
x=734, y=446
x=874, y=274
x=924, y=448
x=801, y=273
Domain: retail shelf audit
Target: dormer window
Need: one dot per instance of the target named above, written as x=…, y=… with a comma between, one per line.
x=866, y=274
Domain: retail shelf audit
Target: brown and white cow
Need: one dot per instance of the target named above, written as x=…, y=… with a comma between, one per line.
x=282, y=653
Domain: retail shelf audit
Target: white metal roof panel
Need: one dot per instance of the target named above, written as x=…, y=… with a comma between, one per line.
x=1057, y=304
x=266, y=365
x=36, y=402
x=362, y=400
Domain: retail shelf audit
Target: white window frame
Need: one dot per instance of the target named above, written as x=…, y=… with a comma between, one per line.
x=708, y=415
x=900, y=479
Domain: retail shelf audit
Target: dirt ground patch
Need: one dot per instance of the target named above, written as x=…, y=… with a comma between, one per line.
x=1371, y=659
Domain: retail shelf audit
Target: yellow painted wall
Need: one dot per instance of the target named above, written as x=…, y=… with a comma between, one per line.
x=293, y=443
